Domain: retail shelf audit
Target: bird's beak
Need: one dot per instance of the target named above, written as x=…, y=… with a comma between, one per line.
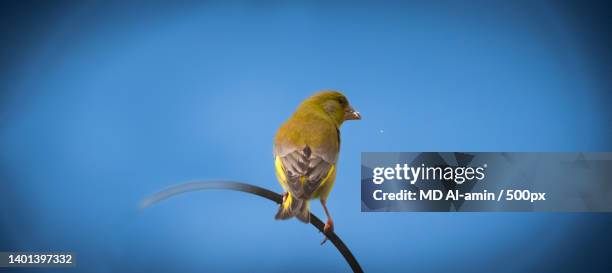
x=351, y=114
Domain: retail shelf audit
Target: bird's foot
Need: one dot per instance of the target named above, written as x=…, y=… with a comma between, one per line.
x=285, y=197
x=329, y=228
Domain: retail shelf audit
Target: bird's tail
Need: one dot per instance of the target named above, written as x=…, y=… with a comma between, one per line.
x=291, y=207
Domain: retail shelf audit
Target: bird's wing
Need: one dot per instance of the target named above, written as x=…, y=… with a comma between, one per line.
x=303, y=171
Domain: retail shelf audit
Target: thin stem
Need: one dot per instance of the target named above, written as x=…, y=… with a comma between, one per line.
x=259, y=191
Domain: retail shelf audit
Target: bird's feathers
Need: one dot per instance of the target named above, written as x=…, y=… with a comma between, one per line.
x=302, y=176
x=312, y=127
x=299, y=208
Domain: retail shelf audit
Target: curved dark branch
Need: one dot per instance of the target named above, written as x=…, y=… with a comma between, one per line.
x=248, y=188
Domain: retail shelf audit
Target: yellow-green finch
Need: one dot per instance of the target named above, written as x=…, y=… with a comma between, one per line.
x=306, y=153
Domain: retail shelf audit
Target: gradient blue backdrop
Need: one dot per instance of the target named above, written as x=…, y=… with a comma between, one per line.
x=105, y=103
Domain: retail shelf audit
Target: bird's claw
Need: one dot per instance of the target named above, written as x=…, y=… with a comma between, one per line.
x=324, y=240
x=329, y=228
x=285, y=197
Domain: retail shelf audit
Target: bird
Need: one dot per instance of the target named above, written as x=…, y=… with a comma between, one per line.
x=306, y=149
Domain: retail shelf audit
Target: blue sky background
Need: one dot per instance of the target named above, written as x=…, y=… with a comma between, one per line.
x=104, y=103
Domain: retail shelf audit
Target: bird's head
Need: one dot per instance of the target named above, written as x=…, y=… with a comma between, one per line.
x=334, y=104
